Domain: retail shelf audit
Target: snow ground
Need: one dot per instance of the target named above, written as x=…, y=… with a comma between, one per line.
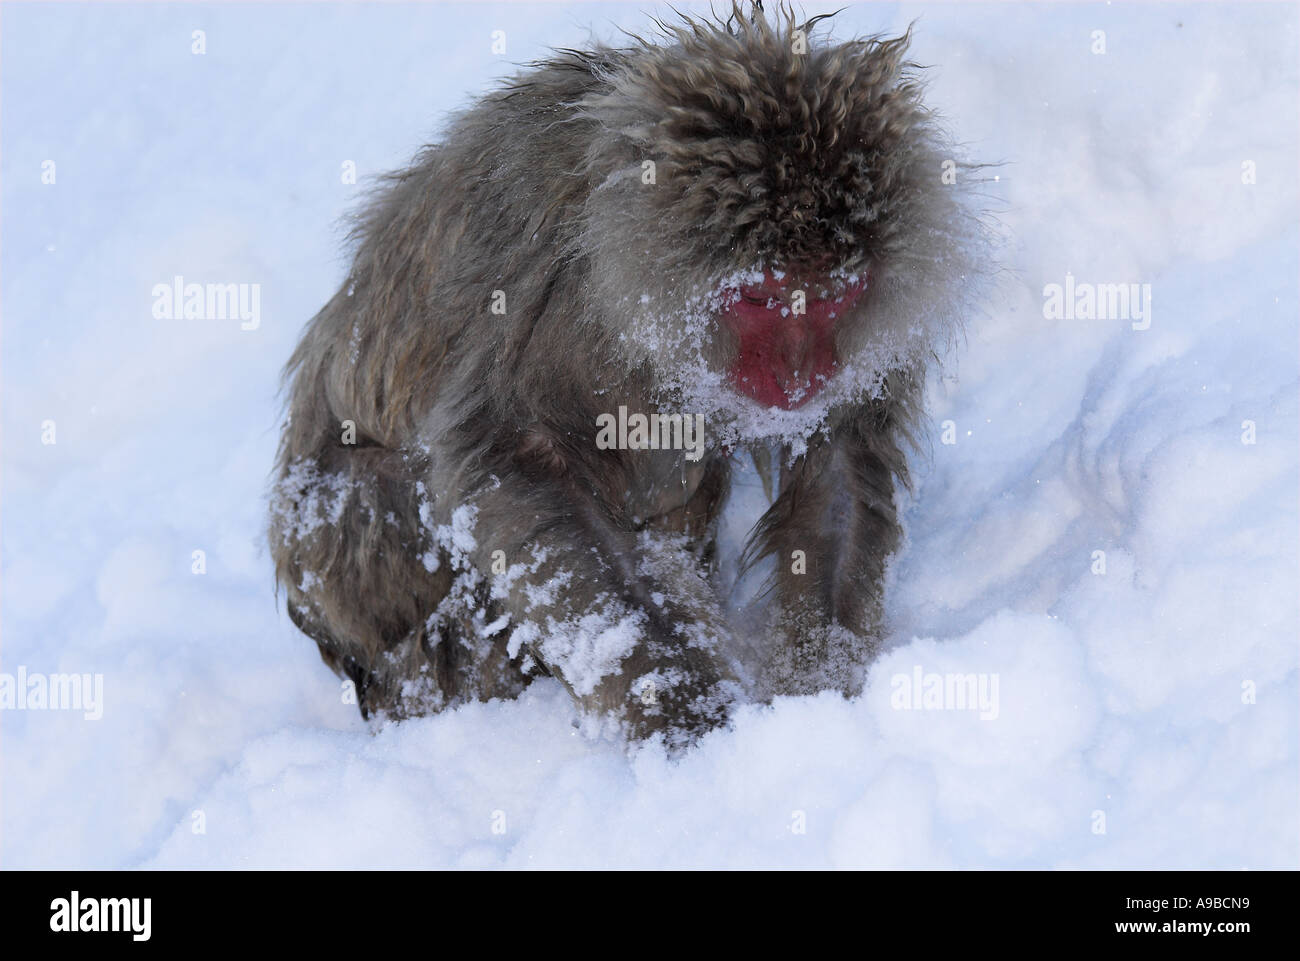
x=1124, y=696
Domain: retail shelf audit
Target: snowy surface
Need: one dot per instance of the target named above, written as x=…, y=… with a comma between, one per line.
x=1123, y=696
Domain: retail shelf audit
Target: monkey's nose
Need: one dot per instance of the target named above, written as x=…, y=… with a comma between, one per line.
x=773, y=287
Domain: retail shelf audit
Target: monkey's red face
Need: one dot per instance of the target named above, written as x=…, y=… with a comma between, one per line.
x=785, y=335
x=728, y=149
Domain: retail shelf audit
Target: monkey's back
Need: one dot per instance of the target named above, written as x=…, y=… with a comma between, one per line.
x=487, y=216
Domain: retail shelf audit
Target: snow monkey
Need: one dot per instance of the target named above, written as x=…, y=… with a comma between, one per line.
x=512, y=432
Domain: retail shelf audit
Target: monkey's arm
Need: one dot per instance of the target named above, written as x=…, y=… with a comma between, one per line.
x=624, y=619
x=831, y=531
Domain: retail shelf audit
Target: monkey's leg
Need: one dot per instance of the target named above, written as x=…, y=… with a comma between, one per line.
x=831, y=531
x=626, y=620
x=355, y=559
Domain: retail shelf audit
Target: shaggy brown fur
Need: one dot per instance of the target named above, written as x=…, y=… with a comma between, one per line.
x=472, y=535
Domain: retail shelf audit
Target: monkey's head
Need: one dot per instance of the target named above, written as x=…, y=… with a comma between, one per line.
x=772, y=212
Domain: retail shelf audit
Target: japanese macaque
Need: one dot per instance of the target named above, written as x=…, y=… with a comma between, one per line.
x=493, y=466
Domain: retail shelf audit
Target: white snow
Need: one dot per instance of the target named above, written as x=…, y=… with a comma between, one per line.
x=1145, y=716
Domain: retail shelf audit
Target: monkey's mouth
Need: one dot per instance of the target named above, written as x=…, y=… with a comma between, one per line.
x=785, y=333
